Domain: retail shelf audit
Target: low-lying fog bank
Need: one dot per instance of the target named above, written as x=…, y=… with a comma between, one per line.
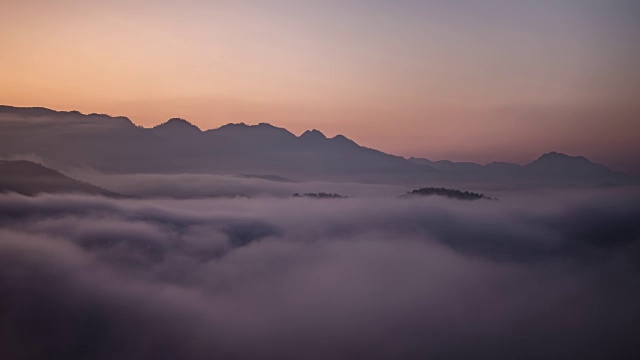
x=534, y=275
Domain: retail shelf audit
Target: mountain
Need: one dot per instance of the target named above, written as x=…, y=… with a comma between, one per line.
x=28, y=178
x=116, y=145
x=552, y=168
x=564, y=166
x=176, y=126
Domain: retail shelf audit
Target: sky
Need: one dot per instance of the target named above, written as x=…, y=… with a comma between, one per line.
x=460, y=80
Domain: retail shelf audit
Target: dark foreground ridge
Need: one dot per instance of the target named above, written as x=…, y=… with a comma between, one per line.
x=28, y=178
x=450, y=193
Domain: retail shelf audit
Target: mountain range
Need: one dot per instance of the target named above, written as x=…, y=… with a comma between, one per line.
x=28, y=178
x=550, y=168
x=115, y=145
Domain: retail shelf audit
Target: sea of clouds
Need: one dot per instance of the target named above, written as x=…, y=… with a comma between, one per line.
x=533, y=275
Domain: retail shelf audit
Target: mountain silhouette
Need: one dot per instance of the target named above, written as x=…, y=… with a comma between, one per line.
x=176, y=125
x=550, y=168
x=116, y=145
x=562, y=165
x=28, y=178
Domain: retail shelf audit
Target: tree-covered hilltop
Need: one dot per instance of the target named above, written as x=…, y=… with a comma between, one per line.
x=450, y=193
x=321, y=195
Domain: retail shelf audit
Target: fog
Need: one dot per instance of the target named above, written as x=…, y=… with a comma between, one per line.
x=528, y=276
x=191, y=186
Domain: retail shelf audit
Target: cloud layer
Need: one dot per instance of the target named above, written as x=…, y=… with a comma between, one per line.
x=380, y=278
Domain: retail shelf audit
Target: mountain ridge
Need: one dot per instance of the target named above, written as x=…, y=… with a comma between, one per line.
x=551, y=164
x=177, y=146
x=73, y=139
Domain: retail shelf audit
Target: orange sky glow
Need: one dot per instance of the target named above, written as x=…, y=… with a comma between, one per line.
x=497, y=81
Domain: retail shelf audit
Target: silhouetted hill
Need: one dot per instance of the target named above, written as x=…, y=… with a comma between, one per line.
x=565, y=166
x=176, y=125
x=550, y=169
x=450, y=193
x=115, y=145
x=28, y=178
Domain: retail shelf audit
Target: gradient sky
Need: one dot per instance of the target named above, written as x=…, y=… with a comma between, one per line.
x=462, y=80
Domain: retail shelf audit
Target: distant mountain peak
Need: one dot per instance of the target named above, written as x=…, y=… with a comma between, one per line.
x=341, y=139
x=241, y=125
x=555, y=164
x=313, y=134
x=177, y=123
x=553, y=155
x=266, y=125
x=557, y=156
x=242, y=129
x=234, y=125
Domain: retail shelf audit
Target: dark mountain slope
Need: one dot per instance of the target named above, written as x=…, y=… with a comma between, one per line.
x=176, y=126
x=28, y=178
